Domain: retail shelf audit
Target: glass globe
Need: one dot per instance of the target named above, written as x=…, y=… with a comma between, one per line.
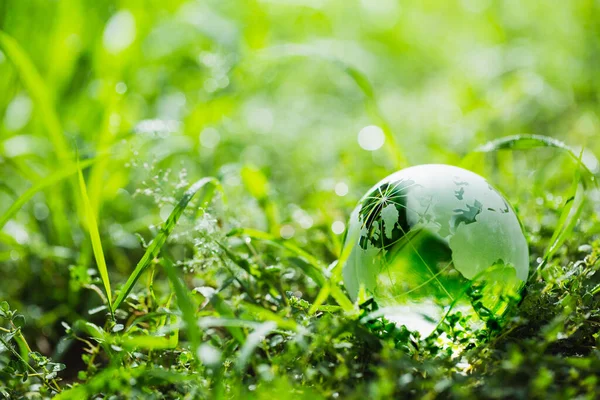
x=435, y=239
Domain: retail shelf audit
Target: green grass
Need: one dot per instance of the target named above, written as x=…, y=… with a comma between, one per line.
x=92, y=227
x=194, y=256
x=155, y=246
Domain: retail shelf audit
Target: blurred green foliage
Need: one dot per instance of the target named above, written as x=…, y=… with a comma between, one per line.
x=269, y=97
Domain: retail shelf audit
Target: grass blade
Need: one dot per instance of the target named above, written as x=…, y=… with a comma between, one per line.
x=37, y=89
x=185, y=304
x=573, y=205
x=321, y=298
x=149, y=342
x=527, y=142
x=92, y=227
x=258, y=186
x=42, y=184
x=523, y=142
x=154, y=248
x=262, y=314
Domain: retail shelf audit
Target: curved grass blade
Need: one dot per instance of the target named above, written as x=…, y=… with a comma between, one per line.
x=47, y=181
x=523, y=142
x=154, y=248
x=576, y=199
x=526, y=142
x=38, y=91
x=131, y=342
x=92, y=227
x=362, y=82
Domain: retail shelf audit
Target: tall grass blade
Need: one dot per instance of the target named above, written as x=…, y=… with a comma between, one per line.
x=37, y=89
x=42, y=184
x=92, y=227
x=153, y=250
x=258, y=186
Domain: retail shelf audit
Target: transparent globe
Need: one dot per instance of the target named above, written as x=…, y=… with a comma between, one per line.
x=434, y=239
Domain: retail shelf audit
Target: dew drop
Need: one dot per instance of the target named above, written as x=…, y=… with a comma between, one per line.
x=119, y=32
x=338, y=227
x=371, y=138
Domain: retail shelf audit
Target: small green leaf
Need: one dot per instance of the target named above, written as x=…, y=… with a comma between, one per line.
x=50, y=376
x=19, y=320
x=4, y=309
x=56, y=367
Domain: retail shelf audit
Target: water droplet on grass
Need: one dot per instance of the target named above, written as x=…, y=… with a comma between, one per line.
x=371, y=137
x=119, y=32
x=287, y=231
x=338, y=227
x=341, y=189
x=18, y=113
x=210, y=138
x=121, y=88
x=209, y=355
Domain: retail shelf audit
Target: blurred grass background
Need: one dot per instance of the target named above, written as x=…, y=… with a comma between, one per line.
x=159, y=94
